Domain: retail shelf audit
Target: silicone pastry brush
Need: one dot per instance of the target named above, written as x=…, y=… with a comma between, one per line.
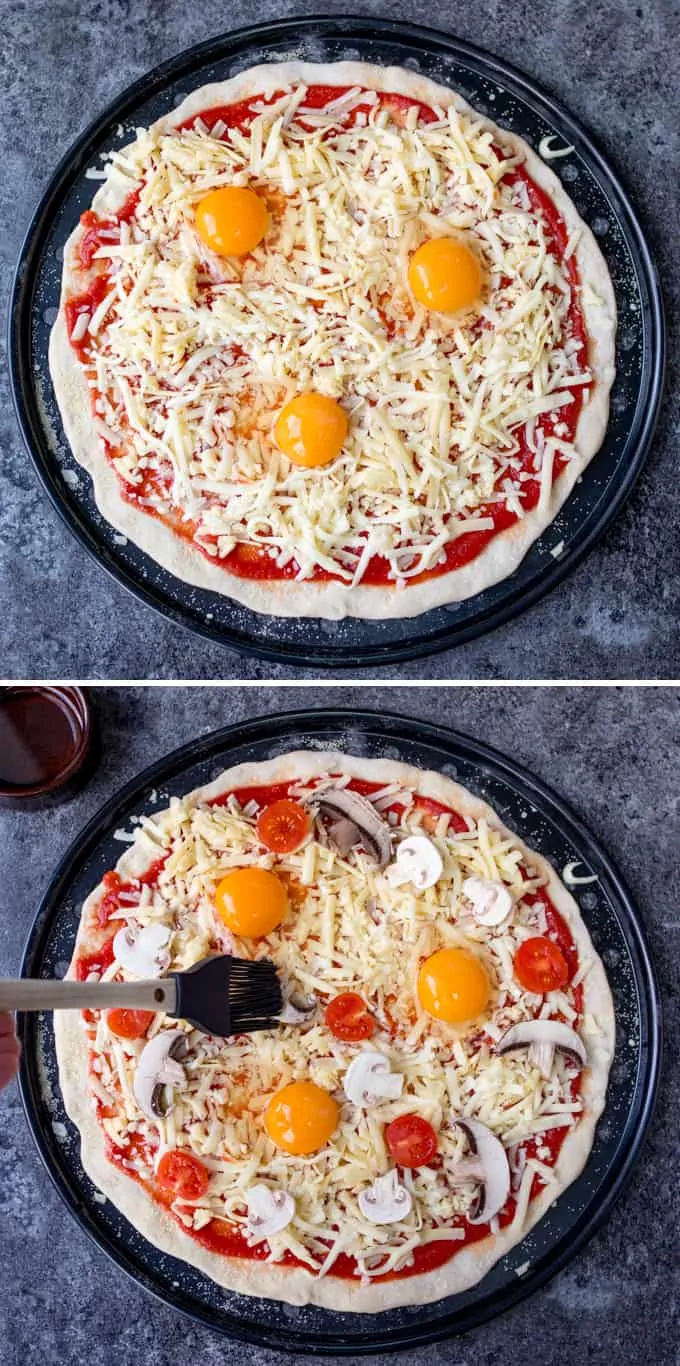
x=220, y=995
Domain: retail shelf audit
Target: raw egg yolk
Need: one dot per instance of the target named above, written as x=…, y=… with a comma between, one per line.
x=310, y=429
x=445, y=275
x=231, y=221
x=251, y=902
x=453, y=985
x=301, y=1118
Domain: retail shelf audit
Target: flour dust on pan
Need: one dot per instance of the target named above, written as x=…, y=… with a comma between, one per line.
x=510, y=100
x=541, y=818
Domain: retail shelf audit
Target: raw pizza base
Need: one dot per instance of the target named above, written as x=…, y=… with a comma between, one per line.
x=296, y=1285
x=334, y=600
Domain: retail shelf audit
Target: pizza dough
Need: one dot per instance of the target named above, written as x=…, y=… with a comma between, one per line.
x=297, y=1284
x=301, y=597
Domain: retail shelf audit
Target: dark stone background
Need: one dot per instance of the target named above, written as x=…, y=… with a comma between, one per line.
x=613, y=754
x=613, y=64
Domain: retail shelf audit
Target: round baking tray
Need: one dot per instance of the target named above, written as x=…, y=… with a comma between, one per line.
x=547, y=825
x=511, y=100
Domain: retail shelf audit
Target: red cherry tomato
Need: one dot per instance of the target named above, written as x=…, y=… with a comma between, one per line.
x=540, y=965
x=129, y=1024
x=411, y=1141
x=349, y=1018
x=182, y=1173
x=283, y=826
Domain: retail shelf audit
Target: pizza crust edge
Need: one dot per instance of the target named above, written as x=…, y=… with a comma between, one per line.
x=334, y=600
x=297, y=1285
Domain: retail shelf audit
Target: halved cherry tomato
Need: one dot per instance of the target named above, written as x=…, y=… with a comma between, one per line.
x=349, y=1018
x=411, y=1141
x=129, y=1024
x=540, y=965
x=283, y=826
x=183, y=1173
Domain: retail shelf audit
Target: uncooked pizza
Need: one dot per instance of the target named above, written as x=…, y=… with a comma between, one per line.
x=435, y=1078
x=332, y=344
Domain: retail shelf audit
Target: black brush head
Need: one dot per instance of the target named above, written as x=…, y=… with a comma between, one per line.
x=227, y=996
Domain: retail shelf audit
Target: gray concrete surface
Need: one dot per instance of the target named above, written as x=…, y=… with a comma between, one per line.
x=613, y=753
x=614, y=65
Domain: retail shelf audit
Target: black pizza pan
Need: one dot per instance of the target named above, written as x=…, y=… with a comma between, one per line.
x=513, y=101
x=548, y=825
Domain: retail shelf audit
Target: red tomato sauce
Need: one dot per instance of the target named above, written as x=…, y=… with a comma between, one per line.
x=252, y=561
x=223, y=1238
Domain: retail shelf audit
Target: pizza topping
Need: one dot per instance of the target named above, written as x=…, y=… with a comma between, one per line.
x=301, y=1118
x=232, y=220
x=297, y=1009
x=540, y=965
x=283, y=826
x=159, y=1067
x=129, y=1024
x=251, y=902
x=181, y=1172
x=386, y=1201
x=143, y=952
x=542, y=1037
x=411, y=1141
x=269, y=1211
x=445, y=275
x=369, y=1080
x=311, y=430
x=453, y=985
x=349, y=1018
x=491, y=901
x=371, y=830
x=418, y=860
x=493, y=1169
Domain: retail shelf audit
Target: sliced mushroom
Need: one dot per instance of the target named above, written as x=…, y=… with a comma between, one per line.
x=143, y=952
x=159, y=1066
x=491, y=901
x=418, y=860
x=542, y=1037
x=386, y=1201
x=343, y=834
x=269, y=1211
x=340, y=804
x=488, y=1165
x=370, y=1079
x=297, y=1009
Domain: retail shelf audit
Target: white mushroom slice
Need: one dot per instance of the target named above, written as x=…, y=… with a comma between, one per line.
x=269, y=1211
x=370, y=1079
x=491, y=901
x=489, y=1165
x=159, y=1066
x=542, y=1037
x=418, y=861
x=386, y=1201
x=143, y=952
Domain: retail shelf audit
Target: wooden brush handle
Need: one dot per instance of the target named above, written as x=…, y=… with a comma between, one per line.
x=29, y=994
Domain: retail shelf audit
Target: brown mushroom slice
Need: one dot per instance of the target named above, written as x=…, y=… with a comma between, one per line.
x=542, y=1037
x=488, y=1165
x=341, y=805
x=159, y=1065
x=297, y=1009
x=343, y=835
